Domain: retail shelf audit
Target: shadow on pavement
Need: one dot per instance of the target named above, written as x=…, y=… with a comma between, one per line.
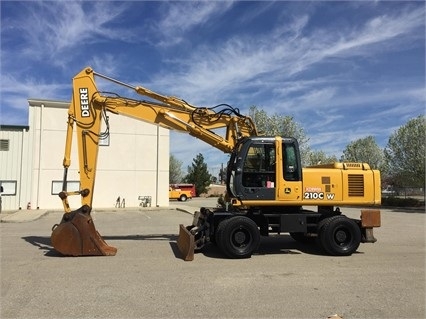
x=273, y=245
x=281, y=244
x=44, y=243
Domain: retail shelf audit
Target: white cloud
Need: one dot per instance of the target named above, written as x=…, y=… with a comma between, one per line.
x=319, y=103
x=52, y=27
x=241, y=59
x=15, y=90
x=182, y=16
x=105, y=63
x=376, y=31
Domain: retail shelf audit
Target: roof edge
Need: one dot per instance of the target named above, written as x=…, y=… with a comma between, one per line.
x=14, y=127
x=32, y=102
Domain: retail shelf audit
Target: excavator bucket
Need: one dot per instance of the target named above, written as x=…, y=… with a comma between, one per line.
x=76, y=236
x=186, y=243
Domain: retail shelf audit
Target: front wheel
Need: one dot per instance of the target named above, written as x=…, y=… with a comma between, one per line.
x=339, y=236
x=238, y=237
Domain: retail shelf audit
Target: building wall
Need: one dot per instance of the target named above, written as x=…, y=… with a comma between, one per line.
x=15, y=167
x=135, y=163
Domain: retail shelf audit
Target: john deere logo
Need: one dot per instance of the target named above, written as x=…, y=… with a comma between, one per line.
x=84, y=102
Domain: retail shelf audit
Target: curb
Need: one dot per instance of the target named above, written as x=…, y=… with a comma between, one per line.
x=184, y=210
x=22, y=216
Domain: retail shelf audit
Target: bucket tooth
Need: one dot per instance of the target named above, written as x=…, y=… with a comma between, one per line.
x=76, y=235
x=186, y=243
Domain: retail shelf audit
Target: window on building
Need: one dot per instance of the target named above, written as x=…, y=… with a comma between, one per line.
x=72, y=186
x=9, y=188
x=4, y=145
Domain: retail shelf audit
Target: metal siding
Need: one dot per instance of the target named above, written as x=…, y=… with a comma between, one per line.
x=11, y=163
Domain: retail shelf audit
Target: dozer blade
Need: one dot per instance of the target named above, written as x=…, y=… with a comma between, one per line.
x=76, y=236
x=186, y=243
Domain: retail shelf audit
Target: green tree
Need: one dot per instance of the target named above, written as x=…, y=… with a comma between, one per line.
x=281, y=125
x=319, y=157
x=405, y=154
x=222, y=174
x=175, y=170
x=198, y=175
x=364, y=150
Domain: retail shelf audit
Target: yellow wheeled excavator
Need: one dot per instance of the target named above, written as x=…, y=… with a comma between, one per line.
x=267, y=190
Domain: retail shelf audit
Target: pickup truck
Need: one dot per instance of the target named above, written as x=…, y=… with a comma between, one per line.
x=179, y=194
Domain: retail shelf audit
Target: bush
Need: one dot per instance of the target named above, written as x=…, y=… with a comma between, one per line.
x=215, y=195
x=402, y=202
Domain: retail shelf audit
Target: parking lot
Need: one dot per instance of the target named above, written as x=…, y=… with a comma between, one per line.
x=148, y=279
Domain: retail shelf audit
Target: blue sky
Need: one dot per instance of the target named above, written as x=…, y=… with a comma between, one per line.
x=344, y=70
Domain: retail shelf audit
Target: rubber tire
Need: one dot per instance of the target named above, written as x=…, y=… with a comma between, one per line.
x=343, y=227
x=238, y=237
x=319, y=230
x=183, y=198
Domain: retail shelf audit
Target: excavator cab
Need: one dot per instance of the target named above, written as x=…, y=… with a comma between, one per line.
x=259, y=165
x=253, y=170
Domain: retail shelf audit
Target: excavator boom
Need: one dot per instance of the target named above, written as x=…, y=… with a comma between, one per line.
x=76, y=234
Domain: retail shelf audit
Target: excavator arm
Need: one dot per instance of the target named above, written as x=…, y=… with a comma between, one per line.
x=76, y=234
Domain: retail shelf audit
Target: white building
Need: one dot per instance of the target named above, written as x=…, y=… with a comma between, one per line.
x=15, y=154
x=133, y=162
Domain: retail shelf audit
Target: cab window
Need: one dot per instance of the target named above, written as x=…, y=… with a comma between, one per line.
x=259, y=166
x=290, y=162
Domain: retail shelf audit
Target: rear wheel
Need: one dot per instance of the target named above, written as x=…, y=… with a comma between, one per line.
x=238, y=237
x=339, y=236
x=183, y=198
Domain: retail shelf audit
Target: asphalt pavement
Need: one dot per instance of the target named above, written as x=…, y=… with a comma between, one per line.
x=148, y=279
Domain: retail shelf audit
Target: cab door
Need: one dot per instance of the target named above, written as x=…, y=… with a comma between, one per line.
x=253, y=176
x=289, y=174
